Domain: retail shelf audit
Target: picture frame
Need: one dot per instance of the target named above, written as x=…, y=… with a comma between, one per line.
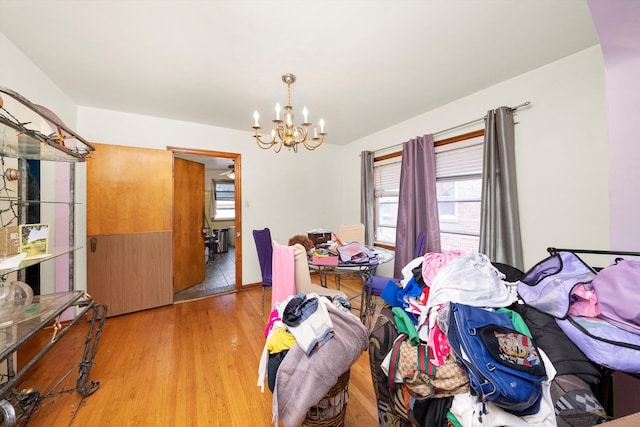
x=34, y=240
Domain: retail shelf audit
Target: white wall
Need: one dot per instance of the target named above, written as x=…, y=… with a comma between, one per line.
x=561, y=150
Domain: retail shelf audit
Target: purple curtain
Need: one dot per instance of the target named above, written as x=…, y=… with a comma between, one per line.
x=417, y=204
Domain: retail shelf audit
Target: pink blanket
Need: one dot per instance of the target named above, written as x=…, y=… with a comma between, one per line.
x=282, y=273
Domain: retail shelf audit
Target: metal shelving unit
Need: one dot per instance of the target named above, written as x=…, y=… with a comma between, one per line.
x=21, y=322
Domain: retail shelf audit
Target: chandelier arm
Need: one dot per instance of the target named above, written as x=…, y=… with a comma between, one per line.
x=280, y=132
x=302, y=134
x=265, y=145
x=315, y=144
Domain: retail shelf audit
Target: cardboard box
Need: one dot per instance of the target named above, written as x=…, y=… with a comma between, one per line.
x=9, y=241
x=632, y=420
x=325, y=260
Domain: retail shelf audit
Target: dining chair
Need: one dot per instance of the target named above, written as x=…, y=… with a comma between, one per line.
x=378, y=283
x=351, y=233
x=303, y=275
x=213, y=243
x=262, y=240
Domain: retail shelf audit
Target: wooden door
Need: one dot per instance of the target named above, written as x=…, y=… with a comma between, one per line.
x=188, y=222
x=129, y=228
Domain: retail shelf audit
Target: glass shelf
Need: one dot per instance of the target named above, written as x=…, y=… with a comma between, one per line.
x=17, y=201
x=28, y=262
x=32, y=318
x=26, y=147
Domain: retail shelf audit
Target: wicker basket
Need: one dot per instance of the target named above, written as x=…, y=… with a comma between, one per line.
x=332, y=408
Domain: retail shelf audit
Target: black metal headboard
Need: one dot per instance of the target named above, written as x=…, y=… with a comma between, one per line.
x=553, y=250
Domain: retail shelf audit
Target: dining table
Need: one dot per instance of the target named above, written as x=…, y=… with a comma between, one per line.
x=364, y=270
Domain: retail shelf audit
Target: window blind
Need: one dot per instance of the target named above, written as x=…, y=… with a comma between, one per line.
x=224, y=191
x=460, y=161
x=387, y=177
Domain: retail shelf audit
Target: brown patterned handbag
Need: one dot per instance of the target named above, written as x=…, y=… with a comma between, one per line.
x=420, y=376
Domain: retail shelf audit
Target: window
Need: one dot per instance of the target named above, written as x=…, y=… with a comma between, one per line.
x=459, y=190
x=225, y=196
x=458, y=187
x=386, y=174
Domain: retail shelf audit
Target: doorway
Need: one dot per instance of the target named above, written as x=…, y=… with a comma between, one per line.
x=221, y=244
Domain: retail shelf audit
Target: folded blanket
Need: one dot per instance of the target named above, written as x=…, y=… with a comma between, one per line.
x=283, y=279
x=302, y=381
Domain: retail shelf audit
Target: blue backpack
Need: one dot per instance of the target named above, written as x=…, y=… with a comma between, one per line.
x=503, y=365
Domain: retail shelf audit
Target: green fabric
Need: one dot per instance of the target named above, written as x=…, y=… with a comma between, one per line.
x=517, y=320
x=405, y=325
x=453, y=420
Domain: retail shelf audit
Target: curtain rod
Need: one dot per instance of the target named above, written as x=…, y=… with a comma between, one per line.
x=524, y=104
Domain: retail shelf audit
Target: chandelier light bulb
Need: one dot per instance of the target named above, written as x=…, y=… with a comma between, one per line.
x=305, y=114
x=278, y=108
x=256, y=116
x=321, y=125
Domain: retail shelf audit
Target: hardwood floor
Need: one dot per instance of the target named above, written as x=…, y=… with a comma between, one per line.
x=188, y=364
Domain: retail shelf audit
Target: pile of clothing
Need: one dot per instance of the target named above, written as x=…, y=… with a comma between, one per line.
x=311, y=341
x=415, y=311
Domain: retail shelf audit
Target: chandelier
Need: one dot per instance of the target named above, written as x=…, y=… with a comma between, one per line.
x=285, y=133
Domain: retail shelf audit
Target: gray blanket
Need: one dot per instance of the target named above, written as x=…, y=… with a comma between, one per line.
x=302, y=381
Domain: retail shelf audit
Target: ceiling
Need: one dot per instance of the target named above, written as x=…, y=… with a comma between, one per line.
x=361, y=65
x=221, y=164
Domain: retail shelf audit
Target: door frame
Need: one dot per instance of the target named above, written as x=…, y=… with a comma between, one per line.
x=237, y=159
